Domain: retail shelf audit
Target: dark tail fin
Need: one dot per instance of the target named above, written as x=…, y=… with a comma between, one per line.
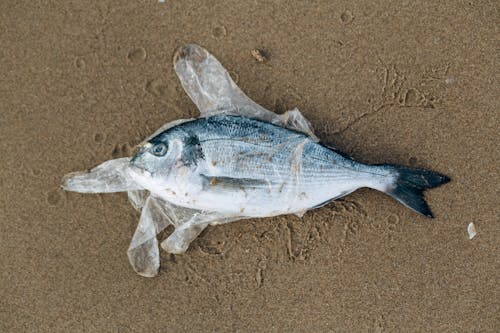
x=410, y=184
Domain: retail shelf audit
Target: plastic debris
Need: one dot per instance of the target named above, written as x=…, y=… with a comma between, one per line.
x=471, y=229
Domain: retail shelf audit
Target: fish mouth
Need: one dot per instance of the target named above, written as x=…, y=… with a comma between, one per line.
x=136, y=169
x=133, y=160
x=137, y=161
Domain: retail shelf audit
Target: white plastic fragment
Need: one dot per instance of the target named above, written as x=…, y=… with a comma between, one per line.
x=108, y=177
x=212, y=89
x=471, y=229
x=138, y=198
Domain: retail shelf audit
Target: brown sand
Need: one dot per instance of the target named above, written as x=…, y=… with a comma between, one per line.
x=403, y=83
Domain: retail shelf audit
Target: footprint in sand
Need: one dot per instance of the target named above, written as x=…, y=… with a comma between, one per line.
x=137, y=55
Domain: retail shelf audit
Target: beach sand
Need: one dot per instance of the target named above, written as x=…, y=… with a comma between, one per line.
x=412, y=84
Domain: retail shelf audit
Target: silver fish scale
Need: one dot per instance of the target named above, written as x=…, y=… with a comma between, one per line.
x=239, y=147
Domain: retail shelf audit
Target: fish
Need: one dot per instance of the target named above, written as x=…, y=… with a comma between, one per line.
x=237, y=160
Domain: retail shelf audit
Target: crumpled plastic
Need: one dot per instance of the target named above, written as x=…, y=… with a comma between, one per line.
x=211, y=88
x=471, y=230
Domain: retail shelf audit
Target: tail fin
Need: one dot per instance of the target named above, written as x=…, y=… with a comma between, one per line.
x=410, y=184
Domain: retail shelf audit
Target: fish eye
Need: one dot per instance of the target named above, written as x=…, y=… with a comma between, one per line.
x=159, y=149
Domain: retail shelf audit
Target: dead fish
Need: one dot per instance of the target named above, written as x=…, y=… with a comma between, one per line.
x=236, y=161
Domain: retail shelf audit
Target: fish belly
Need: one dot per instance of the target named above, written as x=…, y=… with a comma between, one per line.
x=259, y=189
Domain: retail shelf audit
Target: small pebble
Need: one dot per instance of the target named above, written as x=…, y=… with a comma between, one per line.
x=259, y=55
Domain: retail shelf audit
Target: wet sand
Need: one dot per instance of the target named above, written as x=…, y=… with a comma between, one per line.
x=413, y=84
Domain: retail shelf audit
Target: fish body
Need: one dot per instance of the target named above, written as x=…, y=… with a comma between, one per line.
x=246, y=167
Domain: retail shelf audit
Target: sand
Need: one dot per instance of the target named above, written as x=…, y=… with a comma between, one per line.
x=407, y=83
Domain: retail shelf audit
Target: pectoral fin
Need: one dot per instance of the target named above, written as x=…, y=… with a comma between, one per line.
x=228, y=183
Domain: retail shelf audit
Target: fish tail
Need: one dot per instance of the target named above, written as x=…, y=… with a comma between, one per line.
x=409, y=184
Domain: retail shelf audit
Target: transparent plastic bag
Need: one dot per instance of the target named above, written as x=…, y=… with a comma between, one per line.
x=213, y=91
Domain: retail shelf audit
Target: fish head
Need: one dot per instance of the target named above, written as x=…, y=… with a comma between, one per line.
x=172, y=157
x=158, y=156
